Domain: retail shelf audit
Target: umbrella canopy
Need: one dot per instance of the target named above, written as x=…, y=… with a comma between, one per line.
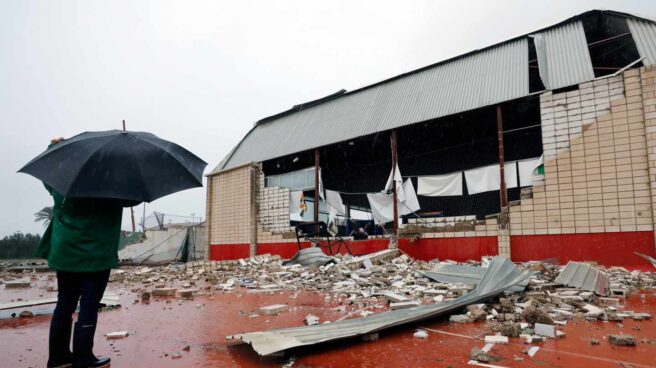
x=135, y=166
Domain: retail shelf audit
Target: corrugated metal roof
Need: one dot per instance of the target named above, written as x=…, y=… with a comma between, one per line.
x=563, y=56
x=644, y=35
x=584, y=276
x=480, y=78
x=501, y=275
x=463, y=274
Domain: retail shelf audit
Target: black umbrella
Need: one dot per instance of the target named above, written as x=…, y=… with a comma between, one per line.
x=117, y=164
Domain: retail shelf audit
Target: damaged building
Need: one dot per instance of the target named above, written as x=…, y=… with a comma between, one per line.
x=541, y=146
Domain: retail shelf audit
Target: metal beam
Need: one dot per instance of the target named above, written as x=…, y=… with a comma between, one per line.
x=317, y=166
x=394, y=163
x=503, y=193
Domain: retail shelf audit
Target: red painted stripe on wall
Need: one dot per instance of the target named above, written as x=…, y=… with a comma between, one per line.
x=457, y=249
x=608, y=249
x=222, y=252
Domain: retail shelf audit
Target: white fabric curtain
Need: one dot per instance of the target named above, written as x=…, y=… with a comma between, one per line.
x=411, y=203
x=483, y=179
x=440, y=185
x=382, y=207
x=334, y=200
x=527, y=171
x=510, y=173
x=488, y=178
x=382, y=204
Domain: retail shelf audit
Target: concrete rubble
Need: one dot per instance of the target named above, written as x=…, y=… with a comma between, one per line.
x=389, y=280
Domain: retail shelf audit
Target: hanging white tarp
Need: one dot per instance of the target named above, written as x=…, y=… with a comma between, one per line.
x=527, y=171
x=382, y=207
x=382, y=204
x=563, y=56
x=644, y=35
x=440, y=185
x=488, y=178
x=334, y=200
x=411, y=203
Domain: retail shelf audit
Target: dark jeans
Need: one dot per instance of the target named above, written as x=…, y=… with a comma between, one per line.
x=88, y=288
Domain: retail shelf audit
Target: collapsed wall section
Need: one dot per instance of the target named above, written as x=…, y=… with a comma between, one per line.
x=595, y=202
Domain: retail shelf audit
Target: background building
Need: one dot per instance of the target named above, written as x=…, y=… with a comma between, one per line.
x=579, y=96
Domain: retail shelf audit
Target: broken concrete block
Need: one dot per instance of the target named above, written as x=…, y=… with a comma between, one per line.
x=403, y=305
x=622, y=340
x=311, y=320
x=535, y=315
x=273, y=309
x=393, y=297
x=477, y=315
x=421, y=334
x=187, y=293
x=164, y=292
x=496, y=339
x=532, y=350
x=459, y=318
x=17, y=284
x=481, y=356
x=117, y=334
x=641, y=316
x=542, y=329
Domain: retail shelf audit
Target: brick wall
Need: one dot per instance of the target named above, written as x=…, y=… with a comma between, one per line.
x=229, y=204
x=645, y=90
x=596, y=172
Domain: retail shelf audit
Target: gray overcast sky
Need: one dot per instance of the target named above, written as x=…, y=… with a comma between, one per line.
x=200, y=73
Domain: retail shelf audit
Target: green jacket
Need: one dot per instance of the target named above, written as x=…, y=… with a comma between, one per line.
x=84, y=233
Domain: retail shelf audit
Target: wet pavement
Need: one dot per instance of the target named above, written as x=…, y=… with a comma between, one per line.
x=160, y=331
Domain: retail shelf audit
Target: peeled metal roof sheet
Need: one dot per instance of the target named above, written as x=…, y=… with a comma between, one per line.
x=584, y=276
x=563, y=56
x=644, y=35
x=500, y=275
x=463, y=274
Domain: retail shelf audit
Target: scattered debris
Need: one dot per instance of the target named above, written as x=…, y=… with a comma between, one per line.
x=545, y=330
x=26, y=314
x=311, y=320
x=496, y=339
x=310, y=257
x=622, y=340
x=164, y=291
x=421, y=334
x=273, y=309
x=500, y=275
x=17, y=284
x=117, y=334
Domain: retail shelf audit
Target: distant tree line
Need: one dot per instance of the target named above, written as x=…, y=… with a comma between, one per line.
x=19, y=245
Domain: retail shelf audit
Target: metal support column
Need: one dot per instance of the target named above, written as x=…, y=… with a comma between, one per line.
x=394, y=163
x=317, y=166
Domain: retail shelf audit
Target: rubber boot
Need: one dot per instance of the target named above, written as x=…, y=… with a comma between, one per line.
x=83, y=348
x=59, y=344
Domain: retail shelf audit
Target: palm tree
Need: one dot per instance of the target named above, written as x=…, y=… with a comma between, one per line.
x=44, y=215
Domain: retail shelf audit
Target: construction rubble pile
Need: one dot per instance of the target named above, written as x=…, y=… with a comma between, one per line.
x=531, y=311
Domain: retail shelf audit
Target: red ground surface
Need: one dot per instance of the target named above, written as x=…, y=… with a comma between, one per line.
x=163, y=327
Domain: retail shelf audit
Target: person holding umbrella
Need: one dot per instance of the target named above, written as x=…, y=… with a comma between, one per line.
x=91, y=177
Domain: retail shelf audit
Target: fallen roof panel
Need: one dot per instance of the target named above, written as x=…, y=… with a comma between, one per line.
x=463, y=274
x=648, y=258
x=584, y=276
x=499, y=276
